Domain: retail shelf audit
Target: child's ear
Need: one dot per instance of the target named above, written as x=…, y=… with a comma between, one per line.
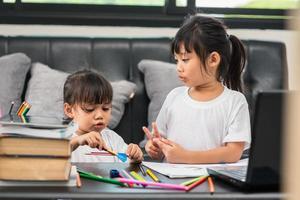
x=214, y=60
x=68, y=110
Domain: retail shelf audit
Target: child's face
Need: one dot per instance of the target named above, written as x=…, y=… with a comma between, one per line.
x=191, y=70
x=89, y=117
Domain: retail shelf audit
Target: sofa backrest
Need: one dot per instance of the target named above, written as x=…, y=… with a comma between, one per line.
x=117, y=59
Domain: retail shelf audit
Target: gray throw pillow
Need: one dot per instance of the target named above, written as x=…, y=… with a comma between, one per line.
x=160, y=78
x=123, y=91
x=45, y=93
x=14, y=68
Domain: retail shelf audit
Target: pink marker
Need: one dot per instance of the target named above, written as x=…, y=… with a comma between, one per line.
x=162, y=185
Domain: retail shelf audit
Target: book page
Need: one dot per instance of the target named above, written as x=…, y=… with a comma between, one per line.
x=187, y=170
x=35, y=132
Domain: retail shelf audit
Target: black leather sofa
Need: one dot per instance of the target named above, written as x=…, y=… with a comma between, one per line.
x=117, y=59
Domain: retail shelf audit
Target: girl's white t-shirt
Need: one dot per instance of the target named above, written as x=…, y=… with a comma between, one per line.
x=111, y=139
x=205, y=125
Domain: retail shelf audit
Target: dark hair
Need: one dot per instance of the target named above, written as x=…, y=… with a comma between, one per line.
x=205, y=35
x=86, y=86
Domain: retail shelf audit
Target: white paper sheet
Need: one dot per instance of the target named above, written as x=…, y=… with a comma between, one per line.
x=187, y=170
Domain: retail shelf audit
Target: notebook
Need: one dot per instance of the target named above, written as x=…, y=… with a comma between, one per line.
x=263, y=170
x=34, y=121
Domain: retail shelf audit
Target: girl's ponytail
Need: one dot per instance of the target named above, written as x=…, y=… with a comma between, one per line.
x=236, y=65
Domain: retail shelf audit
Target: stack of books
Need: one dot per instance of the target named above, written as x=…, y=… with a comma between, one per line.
x=31, y=154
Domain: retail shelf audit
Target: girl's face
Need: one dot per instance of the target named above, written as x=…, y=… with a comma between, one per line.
x=89, y=117
x=191, y=71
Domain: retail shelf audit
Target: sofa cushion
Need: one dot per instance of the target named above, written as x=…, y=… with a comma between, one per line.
x=14, y=68
x=160, y=78
x=45, y=93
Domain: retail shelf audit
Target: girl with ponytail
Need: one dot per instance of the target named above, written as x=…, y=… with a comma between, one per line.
x=207, y=120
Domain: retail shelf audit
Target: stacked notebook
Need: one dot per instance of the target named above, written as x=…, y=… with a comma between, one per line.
x=31, y=154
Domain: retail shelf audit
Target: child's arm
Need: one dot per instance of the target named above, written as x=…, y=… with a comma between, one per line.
x=134, y=153
x=93, y=139
x=174, y=153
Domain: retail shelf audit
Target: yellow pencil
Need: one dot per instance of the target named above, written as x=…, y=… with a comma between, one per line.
x=150, y=173
x=186, y=183
x=137, y=176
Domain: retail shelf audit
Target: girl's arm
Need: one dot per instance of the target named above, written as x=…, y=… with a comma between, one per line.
x=231, y=152
x=174, y=153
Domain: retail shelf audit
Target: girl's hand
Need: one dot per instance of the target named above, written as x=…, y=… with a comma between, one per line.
x=134, y=153
x=174, y=153
x=151, y=147
x=150, y=135
x=93, y=139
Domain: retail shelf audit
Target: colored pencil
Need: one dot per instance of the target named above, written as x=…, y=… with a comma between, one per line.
x=196, y=183
x=142, y=169
x=161, y=185
x=19, y=109
x=186, y=183
x=152, y=175
x=11, y=107
x=78, y=180
x=137, y=176
x=211, y=185
x=101, y=179
x=128, y=177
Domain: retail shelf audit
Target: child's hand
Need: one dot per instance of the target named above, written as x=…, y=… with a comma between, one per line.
x=153, y=150
x=174, y=153
x=93, y=139
x=134, y=153
x=151, y=147
x=150, y=135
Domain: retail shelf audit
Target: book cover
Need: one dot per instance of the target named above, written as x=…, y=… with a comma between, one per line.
x=34, y=168
x=68, y=183
x=32, y=141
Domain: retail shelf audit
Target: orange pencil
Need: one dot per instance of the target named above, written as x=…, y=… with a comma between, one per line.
x=21, y=106
x=211, y=185
x=78, y=180
x=196, y=183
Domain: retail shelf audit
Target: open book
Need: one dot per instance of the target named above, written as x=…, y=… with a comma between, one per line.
x=187, y=170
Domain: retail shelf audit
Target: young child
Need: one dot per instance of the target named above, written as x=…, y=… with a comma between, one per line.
x=88, y=101
x=207, y=120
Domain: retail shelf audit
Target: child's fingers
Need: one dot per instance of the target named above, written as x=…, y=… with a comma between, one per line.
x=155, y=130
x=147, y=132
x=102, y=144
x=153, y=148
x=168, y=142
x=131, y=151
x=163, y=146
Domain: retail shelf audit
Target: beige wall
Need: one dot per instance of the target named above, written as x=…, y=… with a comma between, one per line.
x=286, y=36
x=292, y=139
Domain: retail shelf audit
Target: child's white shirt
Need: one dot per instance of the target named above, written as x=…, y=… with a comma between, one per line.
x=199, y=125
x=111, y=139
